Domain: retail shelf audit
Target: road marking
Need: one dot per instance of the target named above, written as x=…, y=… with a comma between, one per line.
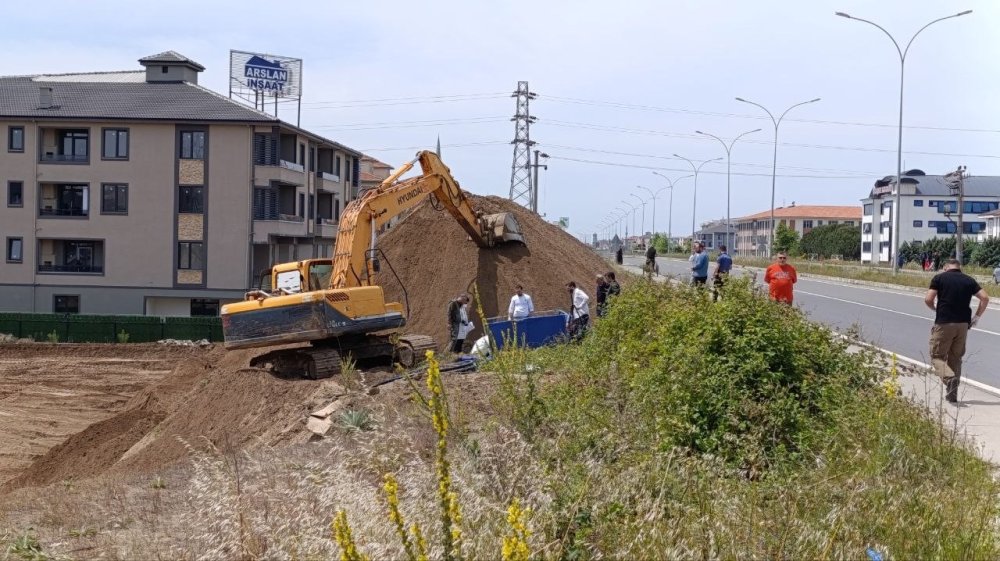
x=923, y=365
x=887, y=310
x=900, y=292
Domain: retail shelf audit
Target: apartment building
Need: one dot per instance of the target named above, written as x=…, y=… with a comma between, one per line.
x=928, y=209
x=141, y=192
x=752, y=231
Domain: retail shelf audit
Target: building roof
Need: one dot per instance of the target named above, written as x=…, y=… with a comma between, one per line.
x=76, y=99
x=982, y=186
x=170, y=57
x=714, y=227
x=810, y=211
x=991, y=214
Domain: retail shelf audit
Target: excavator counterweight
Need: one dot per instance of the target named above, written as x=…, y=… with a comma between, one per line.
x=335, y=307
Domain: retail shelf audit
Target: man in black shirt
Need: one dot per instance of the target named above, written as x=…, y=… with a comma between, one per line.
x=953, y=291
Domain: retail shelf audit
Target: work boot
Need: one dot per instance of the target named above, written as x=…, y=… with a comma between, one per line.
x=951, y=389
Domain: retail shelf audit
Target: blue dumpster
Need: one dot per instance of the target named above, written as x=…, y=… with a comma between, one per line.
x=541, y=328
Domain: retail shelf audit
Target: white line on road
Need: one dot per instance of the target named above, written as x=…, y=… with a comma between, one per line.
x=886, y=310
x=923, y=365
x=852, y=286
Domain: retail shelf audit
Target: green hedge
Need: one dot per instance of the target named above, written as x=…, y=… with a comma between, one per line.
x=106, y=329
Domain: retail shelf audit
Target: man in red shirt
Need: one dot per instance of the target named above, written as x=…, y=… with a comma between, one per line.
x=780, y=277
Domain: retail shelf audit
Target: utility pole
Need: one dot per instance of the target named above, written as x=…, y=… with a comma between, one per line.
x=956, y=183
x=534, y=192
x=520, y=176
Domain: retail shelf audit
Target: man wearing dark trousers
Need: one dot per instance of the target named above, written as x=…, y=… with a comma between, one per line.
x=953, y=291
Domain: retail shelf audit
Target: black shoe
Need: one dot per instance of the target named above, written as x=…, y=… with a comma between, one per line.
x=951, y=395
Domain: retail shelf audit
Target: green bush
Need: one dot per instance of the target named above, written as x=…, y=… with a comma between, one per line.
x=833, y=239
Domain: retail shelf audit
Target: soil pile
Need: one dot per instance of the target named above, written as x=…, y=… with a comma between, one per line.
x=436, y=261
x=212, y=400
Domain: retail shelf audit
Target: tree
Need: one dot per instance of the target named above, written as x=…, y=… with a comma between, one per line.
x=986, y=253
x=660, y=242
x=833, y=239
x=786, y=240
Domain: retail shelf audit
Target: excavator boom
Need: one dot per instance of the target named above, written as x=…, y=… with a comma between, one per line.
x=336, y=305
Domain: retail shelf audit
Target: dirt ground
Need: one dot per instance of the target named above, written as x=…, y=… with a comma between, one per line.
x=50, y=392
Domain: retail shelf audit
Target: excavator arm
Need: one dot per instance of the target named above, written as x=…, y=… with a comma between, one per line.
x=352, y=261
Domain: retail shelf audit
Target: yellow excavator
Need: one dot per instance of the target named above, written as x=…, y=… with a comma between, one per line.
x=335, y=304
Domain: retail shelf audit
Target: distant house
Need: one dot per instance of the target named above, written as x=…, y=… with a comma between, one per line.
x=713, y=234
x=754, y=230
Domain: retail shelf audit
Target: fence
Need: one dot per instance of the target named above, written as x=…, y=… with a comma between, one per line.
x=108, y=329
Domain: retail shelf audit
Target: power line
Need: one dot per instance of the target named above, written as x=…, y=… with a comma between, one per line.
x=592, y=126
x=639, y=166
x=424, y=147
x=399, y=101
x=661, y=157
x=620, y=105
x=411, y=124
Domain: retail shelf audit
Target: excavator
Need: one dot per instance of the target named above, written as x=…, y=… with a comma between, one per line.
x=335, y=305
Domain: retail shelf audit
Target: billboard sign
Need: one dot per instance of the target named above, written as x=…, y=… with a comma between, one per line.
x=272, y=75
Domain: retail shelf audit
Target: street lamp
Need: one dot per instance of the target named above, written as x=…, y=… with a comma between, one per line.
x=642, y=228
x=774, y=166
x=694, y=204
x=670, y=216
x=729, y=164
x=633, y=208
x=899, y=145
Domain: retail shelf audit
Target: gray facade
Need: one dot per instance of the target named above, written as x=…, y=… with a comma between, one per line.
x=144, y=193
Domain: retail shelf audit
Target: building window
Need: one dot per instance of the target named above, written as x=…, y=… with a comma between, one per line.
x=191, y=255
x=849, y=223
x=192, y=200
x=115, y=144
x=192, y=145
x=807, y=223
x=918, y=202
x=204, y=307
x=868, y=209
x=336, y=167
x=15, y=250
x=336, y=209
x=15, y=139
x=819, y=222
x=973, y=227
x=866, y=247
x=64, y=200
x=302, y=205
x=15, y=193
x=114, y=198
x=66, y=304
x=74, y=145
x=918, y=223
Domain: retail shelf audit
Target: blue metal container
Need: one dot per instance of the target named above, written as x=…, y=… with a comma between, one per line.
x=541, y=328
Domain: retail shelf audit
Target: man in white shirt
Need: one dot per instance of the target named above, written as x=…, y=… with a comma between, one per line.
x=579, y=316
x=521, y=305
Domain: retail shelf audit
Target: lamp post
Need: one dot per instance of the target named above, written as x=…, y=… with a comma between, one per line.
x=670, y=216
x=642, y=227
x=774, y=165
x=694, y=204
x=899, y=145
x=633, y=209
x=729, y=165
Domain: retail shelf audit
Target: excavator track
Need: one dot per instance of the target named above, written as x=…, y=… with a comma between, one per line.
x=411, y=349
x=325, y=359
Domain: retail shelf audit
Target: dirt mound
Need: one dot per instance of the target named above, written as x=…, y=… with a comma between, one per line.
x=209, y=400
x=436, y=261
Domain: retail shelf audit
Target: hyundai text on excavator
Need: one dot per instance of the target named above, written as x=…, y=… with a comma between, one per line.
x=336, y=305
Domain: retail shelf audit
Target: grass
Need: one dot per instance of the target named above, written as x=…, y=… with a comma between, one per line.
x=678, y=429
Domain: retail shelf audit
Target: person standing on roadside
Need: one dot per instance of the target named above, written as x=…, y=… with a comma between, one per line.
x=521, y=305
x=699, y=265
x=723, y=265
x=579, y=316
x=779, y=278
x=949, y=295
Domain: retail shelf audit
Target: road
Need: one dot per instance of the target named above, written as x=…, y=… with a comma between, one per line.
x=895, y=320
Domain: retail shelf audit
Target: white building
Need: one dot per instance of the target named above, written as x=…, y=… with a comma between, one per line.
x=928, y=209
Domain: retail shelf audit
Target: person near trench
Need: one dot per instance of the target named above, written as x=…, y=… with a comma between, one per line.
x=459, y=325
x=579, y=317
x=949, y=295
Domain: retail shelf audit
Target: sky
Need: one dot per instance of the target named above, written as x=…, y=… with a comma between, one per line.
x=621, y=87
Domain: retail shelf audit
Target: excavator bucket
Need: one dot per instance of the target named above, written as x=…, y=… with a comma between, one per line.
x=503, y=227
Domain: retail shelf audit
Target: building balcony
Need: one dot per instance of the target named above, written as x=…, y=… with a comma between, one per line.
x=327, y=228
x=284, y=172
x=73, y=257
x=328, y=182
x=282, y=225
